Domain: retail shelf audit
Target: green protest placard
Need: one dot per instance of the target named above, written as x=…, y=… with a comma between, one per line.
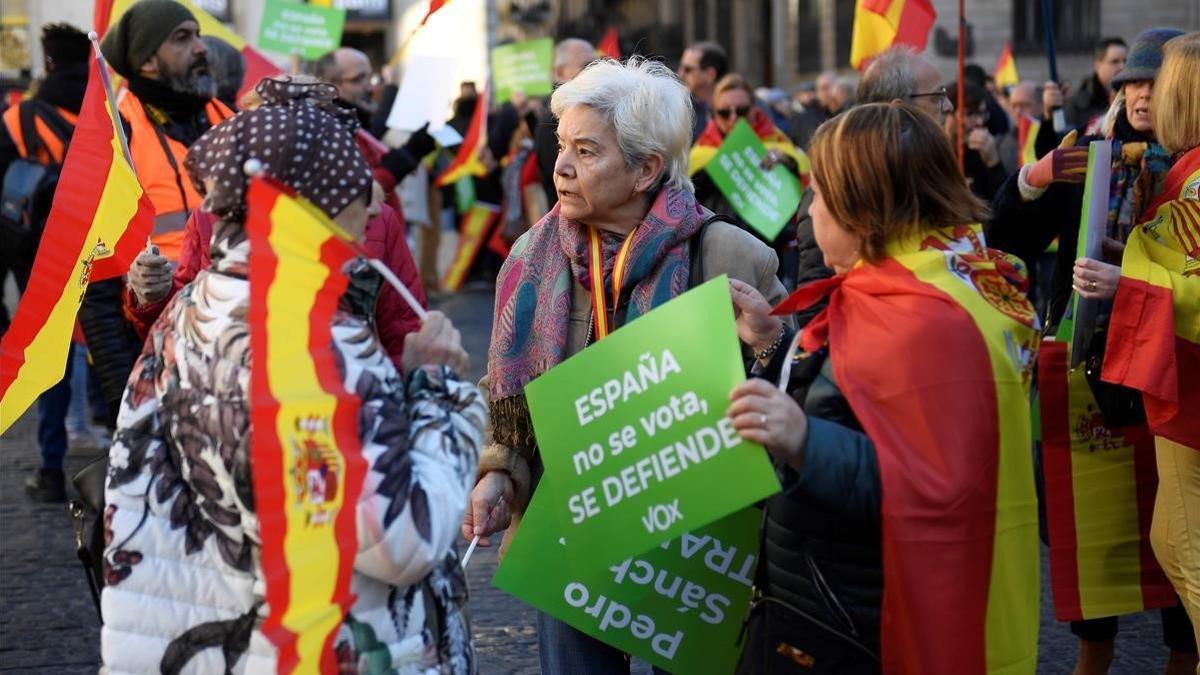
x=633, y=435
x=526, y=67
x=764, y=199
x=288, y=26
x=679, y=606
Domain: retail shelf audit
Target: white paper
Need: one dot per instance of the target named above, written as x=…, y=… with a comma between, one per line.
x=447, y=136
x=428, y=88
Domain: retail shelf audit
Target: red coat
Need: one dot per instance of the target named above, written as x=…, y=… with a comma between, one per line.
x=384, y=239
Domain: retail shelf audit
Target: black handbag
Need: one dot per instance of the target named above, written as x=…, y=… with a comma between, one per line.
x=1120, y=406
x=89, y=548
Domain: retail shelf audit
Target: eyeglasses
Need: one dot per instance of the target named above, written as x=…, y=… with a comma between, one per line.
x=726, y=113
x=939, y=93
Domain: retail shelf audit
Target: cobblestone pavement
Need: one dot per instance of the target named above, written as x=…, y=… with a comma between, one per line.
x=48, y=625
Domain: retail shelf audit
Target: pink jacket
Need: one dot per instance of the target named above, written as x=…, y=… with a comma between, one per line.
x=384, y=239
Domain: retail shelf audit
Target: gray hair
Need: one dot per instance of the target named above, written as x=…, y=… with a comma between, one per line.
x=1114, y=111
x=649, y=109
x=890, y=76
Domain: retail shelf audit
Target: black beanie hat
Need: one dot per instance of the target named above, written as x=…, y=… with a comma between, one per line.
x=140, y=32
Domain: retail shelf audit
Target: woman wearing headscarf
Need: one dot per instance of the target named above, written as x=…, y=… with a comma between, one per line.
x=1154, y=338
x=905, y=537
x=1043, y=201
x=621, y=176
x=185, y=586
x=733, y=100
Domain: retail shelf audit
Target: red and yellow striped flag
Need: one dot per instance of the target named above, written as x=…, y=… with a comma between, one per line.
x=1154, y=332
x=97, y=224
x=257, y=65
x=610, y=45
x=1005, y=74
x=307, y=465
x=951, y=427
x=1100, y=487
x=466, y=161
x=710, y=140
x=472, y=233
x=1027, y=133
x=879, y=24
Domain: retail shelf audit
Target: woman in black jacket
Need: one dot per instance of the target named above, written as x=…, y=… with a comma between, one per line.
x=878, y=553
x=1044, y=201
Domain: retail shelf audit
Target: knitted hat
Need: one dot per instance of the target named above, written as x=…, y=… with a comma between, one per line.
x=140, y=32
x=1146, y=55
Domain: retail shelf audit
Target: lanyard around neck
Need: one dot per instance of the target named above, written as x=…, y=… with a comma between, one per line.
x=600, y=309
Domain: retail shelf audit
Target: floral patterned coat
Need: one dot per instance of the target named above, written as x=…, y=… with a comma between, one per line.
x=185, y=590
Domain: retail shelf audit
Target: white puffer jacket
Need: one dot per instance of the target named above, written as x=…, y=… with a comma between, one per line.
x=185, y=590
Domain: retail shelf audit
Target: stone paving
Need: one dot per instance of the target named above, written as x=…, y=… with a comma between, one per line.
x=48, y=624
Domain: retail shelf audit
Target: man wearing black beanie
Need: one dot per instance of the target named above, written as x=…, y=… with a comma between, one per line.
x=155, y=45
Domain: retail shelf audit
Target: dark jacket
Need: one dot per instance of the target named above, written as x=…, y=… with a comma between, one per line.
x=1090, y=101
x=545, y=150
x=802, y=125
x=820, y=573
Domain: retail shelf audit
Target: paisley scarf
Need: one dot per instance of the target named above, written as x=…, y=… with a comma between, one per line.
x=1139, y=167
x=534, y=289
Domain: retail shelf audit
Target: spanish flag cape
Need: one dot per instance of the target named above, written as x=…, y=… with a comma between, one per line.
x=710, y=141
x=933, y=348
x=1154, y=332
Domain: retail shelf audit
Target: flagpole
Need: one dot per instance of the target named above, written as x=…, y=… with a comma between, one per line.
x=962, y=64
x=1060, y=118
x=395, y=283
x=112, y=99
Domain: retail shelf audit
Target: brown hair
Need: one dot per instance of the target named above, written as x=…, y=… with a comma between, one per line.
x=886, y=169
x=1176, y=104
x=730, y=82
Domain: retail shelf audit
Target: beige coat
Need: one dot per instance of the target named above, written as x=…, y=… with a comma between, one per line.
x=727, y=249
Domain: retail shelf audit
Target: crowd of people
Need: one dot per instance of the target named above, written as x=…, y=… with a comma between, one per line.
x=893, y=375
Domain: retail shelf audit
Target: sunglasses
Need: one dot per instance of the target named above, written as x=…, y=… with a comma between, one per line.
x=726, y=113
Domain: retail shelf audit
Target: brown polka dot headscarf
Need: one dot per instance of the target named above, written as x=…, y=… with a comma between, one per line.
x=302, y=139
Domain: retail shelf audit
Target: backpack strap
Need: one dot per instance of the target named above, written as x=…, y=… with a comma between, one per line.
x=60, y=127
x=696, y=250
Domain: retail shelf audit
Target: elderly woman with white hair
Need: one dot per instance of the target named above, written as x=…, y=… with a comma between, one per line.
x=624, y=131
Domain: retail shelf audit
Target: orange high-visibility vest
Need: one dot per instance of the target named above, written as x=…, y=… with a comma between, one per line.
x=50, y=142
x=158, y=162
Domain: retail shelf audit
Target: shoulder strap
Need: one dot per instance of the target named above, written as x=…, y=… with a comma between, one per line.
x=696, y=250
x=27, y=111
x=54, y=121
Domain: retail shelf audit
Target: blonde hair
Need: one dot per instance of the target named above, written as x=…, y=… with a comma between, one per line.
x=730, y=82
x=649, y=109
x=1176, y=103
x=886, y=170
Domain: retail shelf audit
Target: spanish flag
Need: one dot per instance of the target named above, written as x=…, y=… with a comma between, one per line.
x=98, y=223
x=1006, y=68
x=1027, y=133
x=307, y=465
x=879, y=24
x=710, y=141
x=257, y=65
x=466, y=162
x=1154, y=332
x=1100, y=487
x=933, y=348
x=472, y=233
x=610, y=45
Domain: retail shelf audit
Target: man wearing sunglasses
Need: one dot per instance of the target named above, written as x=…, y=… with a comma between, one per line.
x=700, y=67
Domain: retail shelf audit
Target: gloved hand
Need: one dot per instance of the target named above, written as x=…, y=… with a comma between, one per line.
x=1066, y=164
x=150, y=276
x=420, y=143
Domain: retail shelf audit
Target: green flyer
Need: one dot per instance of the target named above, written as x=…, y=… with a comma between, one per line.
x=678, y=606
x=764, y=199
x=634, y=440
x=288, y=26
x=526, y=67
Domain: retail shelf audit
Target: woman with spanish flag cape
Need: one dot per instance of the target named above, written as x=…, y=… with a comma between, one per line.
x=1154, y=333
x=905, y=537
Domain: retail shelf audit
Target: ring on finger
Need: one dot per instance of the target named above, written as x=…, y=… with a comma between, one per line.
x=762, y=420
x=1091, y=285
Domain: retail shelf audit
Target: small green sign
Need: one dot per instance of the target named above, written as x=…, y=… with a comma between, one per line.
x=633, y=435
x=764, y=199
x=288, y=27
x=679, y=606
x=526, y=67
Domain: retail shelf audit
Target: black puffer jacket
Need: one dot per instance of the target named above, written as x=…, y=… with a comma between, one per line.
x=819, y=587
